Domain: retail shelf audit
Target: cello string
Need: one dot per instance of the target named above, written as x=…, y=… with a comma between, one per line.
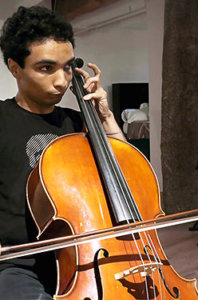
x=158, y=275
x=149, y=258
x=159, y=260
x=137, y=244
x=137, y=247
x=135, y=238
x=89, y=110
x=146, y=253
x=100, y=134
x=159, y=279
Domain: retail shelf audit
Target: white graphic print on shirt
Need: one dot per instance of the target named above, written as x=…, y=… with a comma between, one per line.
x=36, y=145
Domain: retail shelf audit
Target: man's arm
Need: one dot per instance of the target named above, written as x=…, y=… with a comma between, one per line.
x=111, y=127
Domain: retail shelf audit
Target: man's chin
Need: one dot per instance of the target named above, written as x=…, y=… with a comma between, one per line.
x=56, y=97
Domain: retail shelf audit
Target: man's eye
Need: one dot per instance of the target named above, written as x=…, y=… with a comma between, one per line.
x=68, y=68
x=46, y=68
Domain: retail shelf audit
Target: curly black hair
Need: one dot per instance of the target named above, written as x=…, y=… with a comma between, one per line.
x=28, y=25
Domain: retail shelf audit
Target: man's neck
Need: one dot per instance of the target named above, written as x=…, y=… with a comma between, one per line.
x=38, y=109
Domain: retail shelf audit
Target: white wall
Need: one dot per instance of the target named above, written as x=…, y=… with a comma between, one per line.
x=118, y=50
x=128, y=48
x=118, y=46
x=8, y=85
x=155, y=17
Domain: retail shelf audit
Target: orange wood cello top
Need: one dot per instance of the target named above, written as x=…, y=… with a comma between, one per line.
x=68, y=185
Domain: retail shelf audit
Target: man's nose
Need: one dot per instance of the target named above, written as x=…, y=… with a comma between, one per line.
x=60, y=80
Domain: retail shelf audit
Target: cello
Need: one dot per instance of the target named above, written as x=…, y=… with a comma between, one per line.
x=86, y=182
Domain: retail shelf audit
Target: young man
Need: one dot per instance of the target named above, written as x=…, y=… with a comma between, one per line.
x=38, y=48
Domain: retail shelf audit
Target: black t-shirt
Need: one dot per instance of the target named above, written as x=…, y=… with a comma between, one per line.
x=23, y=137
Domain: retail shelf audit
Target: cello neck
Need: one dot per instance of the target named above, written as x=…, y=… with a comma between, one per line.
x=114, y=182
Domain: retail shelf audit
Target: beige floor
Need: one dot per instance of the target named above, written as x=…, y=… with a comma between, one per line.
x=181, y=248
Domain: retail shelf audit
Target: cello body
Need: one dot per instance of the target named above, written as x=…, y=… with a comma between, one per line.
x=66, y=195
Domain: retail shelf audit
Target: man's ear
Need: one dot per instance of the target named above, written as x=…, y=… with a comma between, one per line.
x=14, y=68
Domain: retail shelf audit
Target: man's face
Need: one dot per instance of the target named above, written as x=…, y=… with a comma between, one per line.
x=46, y=75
